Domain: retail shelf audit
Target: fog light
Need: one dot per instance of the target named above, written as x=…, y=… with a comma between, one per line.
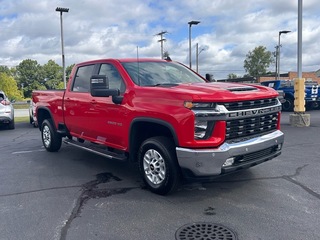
x=279, y=146
x=228, y=162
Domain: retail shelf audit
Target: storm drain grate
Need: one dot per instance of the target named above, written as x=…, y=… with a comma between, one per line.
x=204, y=231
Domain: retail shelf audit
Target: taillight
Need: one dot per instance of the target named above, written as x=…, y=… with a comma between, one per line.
x=5, y=102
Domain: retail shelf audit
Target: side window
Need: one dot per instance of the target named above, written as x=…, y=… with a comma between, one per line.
x=82, y=80
x=271, y=85
x=114, y=77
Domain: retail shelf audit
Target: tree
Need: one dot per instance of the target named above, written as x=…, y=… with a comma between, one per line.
x=9, y=86
x=30, y=76
x=68, y=71
x=232, y=76
x=5, y=69
x=258, y=61
x=52, y=73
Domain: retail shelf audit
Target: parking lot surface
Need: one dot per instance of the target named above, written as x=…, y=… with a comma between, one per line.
x=74, y=194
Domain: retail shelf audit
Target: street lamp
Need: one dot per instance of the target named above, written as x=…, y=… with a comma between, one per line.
x=197, y=55
x=278, y=55
x=190, y=24
x=61, y=10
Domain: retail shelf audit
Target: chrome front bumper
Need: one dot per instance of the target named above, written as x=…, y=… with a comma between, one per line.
x=245, y=154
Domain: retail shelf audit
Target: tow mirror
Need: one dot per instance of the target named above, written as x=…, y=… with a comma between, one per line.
x=99, y=87
x=209, y=77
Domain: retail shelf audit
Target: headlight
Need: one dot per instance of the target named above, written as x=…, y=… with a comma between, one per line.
x=203, y=129
x=198, y=105
x=200, y=128
x=204, y=123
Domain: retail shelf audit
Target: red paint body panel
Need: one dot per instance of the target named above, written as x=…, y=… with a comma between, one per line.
x=98, y=119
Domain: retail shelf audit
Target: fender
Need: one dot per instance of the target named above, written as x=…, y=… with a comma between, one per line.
x=41, y=118
x=156, y=121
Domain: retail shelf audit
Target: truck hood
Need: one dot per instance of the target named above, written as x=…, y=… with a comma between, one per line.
x=222, y=91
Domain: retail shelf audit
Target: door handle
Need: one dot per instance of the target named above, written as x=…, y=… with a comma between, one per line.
x=94, y=102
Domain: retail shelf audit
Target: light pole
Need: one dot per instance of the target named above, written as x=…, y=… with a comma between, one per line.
x=190, y=24
x=61, y=10
x=278, y=48
x=197, y=55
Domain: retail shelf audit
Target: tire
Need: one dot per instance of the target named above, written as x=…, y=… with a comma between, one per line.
x=158, y=165
x=287, y=105
x=50, y=138
x=11, y=125
x=314, y=105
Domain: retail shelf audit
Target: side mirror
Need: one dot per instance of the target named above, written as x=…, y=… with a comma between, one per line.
x=99, y=87
x=210, y=78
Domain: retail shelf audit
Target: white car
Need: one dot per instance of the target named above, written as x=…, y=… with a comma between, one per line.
x=6, y=111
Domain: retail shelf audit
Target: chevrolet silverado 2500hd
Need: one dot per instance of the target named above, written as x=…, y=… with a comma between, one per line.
x=164, y=116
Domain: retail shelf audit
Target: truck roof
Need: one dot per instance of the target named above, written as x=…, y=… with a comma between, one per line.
x=123, y=60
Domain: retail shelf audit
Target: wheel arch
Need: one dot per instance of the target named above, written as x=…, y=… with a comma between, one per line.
x=44, y=113
x=143, y=128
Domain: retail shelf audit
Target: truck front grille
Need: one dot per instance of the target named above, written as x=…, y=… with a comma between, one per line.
x=234, y=106
x=254, y=125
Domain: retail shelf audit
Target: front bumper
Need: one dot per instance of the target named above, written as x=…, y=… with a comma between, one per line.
x=202, y=163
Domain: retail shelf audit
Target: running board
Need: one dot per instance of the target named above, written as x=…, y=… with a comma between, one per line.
x=97, y=150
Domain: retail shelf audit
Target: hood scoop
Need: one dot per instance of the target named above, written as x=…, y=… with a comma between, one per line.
x=241, y=89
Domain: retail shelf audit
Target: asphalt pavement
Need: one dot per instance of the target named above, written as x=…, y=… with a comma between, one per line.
x=75, y=195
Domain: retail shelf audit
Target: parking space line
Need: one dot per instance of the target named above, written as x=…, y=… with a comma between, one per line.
x=31, y=151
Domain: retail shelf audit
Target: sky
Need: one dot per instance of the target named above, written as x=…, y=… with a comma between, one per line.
x=95, y=29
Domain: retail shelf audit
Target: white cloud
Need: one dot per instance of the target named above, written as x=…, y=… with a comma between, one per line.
x=115, y=29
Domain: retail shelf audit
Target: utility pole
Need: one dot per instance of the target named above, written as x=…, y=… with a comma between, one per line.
x=161, y=41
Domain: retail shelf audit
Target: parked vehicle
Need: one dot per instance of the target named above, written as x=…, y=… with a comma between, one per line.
x=31, y=113
x=164, y=116
x=312, y=94
x=6, y=111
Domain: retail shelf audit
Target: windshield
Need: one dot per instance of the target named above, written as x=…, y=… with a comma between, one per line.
x=160, y=73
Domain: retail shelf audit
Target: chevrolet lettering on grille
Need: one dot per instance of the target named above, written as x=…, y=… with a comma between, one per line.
x=254, y=112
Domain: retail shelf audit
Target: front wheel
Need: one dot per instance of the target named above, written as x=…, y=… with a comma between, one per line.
x=288, y=105
x=158, y=165
x=50, y=138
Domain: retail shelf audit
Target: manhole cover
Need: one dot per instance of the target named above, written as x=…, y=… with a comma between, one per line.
x=204, y=231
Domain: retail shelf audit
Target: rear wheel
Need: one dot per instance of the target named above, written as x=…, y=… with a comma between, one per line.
x=158, y=165
x=50, y=138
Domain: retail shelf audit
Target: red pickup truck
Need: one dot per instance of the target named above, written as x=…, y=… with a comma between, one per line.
x=164, y=116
